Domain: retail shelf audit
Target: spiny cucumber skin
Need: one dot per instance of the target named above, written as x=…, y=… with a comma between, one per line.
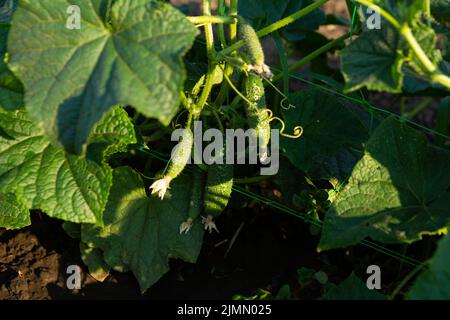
x=195, y=202
x=219, y=184
x=181, y=154
x=254, y=89
x=252, y=44
x=258, y=118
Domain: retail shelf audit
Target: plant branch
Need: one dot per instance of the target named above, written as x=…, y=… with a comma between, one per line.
x=211, y=19
x=209, y=36
x=422, y=105
x=381, y=11
x=427, y=8
x=221, y=29
x=417, y=50
x=405, y=280
x=223, y=93
x=233, y=26
x=277, y=25
x=312, y=56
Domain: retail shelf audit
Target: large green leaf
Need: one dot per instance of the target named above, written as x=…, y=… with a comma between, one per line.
x=141, y=233
x=333, y=135
x=93, y=259
x=111, y=135
x=352, y=288
x=373, y=61
x=14, y=213
x=71, y=77
x=433, y=284
x=397, y=192
x=62, y=185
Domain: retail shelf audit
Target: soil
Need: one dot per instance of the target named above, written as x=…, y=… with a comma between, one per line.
x=268, y=251
x=266, y=254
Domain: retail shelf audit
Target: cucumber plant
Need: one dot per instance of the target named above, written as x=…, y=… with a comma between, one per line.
x=86, y=114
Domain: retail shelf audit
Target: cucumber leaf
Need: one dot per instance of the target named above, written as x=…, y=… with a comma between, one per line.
x=14, y=212
x=111, y=135
x=373, y=60
x=93, y=259
x=352, y=288
x=432, y=284
x=47, y=177
x=71, y=77
x=141, y=233
x=397, y=192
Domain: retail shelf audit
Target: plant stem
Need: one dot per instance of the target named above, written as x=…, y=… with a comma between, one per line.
x=312, y=56
x=283, y=61
x=427, y=8
x=402, y=106
x=381, y=11
x=212, y=19
x=422, y=105
x=289, y=19
x=217, y=117
x=302, y=62
x=441, y=78
x=184, y=101
x=223, y=93
x=209, y=36
x=406, y=32
x=233, y=26
x=221, y=11
x=442, y=117
x=416, y=48
x=277, y=25
x=406, y=279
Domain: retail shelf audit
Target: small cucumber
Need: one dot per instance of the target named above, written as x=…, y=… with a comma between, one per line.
x=181, y=154
x=257, y=115
x=218, y=189
x=253, y=52
x=252, y=45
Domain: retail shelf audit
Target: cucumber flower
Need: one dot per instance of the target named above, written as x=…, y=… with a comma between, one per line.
x=209, y=223
x=160, y=186
x=185, y=226
x=261, y=70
